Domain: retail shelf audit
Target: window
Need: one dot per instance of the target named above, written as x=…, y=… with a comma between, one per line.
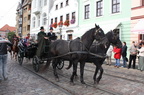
x=38, y=21
x=56, y=7
x=115, y=6
x=45, y=2
x=87, y=11
x=142, y=2
x=141, y=36
x=51, y=21
x=73, y=15
x=61, y=18
x=44, y=19
x=61, y=5
x=67, y=2
x=67, y=16
x=56, y=19
x=99, y=8
x=33, y=22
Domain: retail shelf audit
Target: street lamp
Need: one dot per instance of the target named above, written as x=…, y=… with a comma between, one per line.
x=60, y=28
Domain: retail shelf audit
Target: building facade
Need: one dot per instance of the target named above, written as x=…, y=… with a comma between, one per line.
x=26, y=6
x=39, y=15
x=63, y=17
x=137, y=17
x=108, y=14
x=6, y=29
x=19, y=18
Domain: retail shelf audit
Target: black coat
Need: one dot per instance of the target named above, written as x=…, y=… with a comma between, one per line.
x=52, y=36
x=124, y=51
x=3, y=46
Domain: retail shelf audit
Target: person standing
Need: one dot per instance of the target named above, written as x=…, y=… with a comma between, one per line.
x=3, y=58
x=117, y=55
x=109, y=54
x=141, y=57
x=124, y=54
x=41, y=42
x=51, y=34
x=133, y=54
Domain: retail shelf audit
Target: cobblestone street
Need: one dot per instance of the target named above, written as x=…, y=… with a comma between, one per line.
x=120, y=81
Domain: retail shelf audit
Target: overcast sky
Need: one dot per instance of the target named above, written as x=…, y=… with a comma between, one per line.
x=8, y=12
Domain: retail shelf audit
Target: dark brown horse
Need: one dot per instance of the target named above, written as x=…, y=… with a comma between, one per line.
x=112, y=38
x=14, y=50
x=79, y=46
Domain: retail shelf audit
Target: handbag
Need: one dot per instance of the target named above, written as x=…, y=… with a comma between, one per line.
x=126, y=59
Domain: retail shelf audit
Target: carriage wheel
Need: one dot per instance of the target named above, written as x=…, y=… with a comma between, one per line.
x=20, y=58
x=36, y=64
x=60, y=64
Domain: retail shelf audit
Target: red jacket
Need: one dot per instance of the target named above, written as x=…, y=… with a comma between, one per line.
x=117, y=52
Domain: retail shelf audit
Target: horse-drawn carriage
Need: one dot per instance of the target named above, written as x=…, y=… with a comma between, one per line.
x=76, y=51
x=29, y=52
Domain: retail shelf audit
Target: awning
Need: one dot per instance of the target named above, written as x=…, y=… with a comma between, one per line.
x=139, y=27
x=107, y=27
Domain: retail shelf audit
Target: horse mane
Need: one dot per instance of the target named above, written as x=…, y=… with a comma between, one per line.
x=86, y=34
x=109, y=34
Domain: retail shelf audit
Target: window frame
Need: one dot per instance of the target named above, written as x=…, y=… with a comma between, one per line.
x=33, y=22
x=115, y=4
x=99, y=8
x=61, y=5
x=87, y=12
x=56, y=8
x=44, y=20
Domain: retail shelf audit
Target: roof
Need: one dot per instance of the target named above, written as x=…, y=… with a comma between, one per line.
x=7, y=27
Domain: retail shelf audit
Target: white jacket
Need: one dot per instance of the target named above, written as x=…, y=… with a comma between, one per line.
x=109, y=51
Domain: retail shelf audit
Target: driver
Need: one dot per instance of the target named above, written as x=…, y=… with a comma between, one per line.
x=41, y=42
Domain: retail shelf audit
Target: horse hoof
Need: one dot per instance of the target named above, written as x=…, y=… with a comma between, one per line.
x=83, y=82
x=57, y=80
x=71, y=83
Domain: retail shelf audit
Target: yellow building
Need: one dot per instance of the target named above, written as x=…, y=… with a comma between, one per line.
x=26, y=6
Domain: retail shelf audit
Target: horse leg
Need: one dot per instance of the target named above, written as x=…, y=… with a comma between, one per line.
x=74, y=72
x=100, y=75
x=95, y=74
x=82, y=64
x=54, y=63
x=47, y=64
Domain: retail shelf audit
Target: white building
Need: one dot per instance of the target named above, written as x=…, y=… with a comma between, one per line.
x=63, y=10
x=39, y=15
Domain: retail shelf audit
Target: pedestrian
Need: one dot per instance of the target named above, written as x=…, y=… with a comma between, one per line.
x=141, y=57
x=41, y=42
x=51, y=34
x=133, y=54
x=109, y=54
x=3, y=58
x=117, y=55
x=124, y=54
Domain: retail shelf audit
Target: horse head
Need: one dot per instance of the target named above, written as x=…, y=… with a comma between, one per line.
x=113, y=37
x=99, y=33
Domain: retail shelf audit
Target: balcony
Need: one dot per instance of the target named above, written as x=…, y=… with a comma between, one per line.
x=36, y=10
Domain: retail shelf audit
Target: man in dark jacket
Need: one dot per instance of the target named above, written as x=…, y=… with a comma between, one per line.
x=51, y=35
x=124, y=54
x=42, y=41
x=3, y=58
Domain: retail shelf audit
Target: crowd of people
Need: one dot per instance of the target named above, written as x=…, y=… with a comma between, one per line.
x=135, y=51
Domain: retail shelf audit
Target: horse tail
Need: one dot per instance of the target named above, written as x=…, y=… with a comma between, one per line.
x=70, y=65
